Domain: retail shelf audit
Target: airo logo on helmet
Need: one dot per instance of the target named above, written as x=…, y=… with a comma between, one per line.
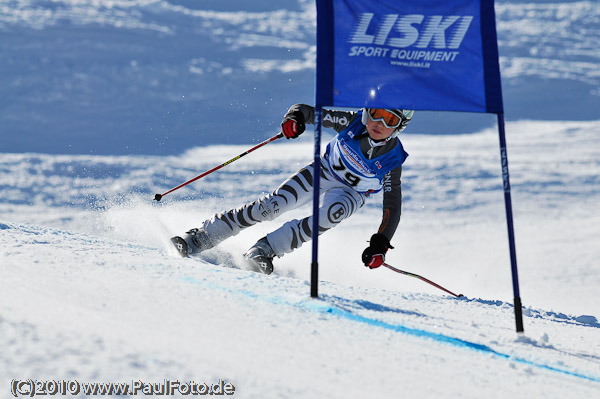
x=408, y=113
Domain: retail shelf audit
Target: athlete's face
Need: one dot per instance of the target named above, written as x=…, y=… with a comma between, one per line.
x=377, y=130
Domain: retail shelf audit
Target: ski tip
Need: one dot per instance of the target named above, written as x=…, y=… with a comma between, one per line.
x=460, y=296
x=157, y=197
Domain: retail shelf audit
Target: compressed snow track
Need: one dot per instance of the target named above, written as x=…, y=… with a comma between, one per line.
x=97, y=309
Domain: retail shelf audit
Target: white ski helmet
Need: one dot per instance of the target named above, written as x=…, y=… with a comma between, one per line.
x=405, y=116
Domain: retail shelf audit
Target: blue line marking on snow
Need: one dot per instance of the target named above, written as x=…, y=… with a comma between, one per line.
x=448, y=340
x=322, y=307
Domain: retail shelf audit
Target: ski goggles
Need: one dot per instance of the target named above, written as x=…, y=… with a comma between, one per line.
x=389, y=119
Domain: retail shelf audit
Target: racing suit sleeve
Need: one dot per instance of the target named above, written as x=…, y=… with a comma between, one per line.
x=336, y=120
x=392, y=203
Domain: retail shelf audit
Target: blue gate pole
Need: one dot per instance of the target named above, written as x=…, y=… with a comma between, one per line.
x=509, y=223
x=314, y=266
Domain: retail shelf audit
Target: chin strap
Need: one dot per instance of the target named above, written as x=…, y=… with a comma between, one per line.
x=373, y=144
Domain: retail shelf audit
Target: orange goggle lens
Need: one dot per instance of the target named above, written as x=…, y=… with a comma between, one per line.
x=389, y=119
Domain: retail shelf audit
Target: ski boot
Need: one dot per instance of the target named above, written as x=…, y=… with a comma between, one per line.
x=260, y=257
x=194, y=242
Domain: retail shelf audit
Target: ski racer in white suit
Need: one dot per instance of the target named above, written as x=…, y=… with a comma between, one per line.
x=365, y=157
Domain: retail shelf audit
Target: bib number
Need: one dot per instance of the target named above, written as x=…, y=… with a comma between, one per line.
x=348, y=177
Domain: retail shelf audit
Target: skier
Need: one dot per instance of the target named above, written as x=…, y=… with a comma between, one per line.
x=364, y=157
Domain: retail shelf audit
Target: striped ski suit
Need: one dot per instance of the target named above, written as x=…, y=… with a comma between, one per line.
x=338, y=203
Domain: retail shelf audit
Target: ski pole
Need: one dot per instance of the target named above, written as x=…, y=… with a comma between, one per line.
x=279, y=135
x=421, y=278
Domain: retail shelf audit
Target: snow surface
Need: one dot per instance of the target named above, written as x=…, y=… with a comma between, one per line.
x=90, y=290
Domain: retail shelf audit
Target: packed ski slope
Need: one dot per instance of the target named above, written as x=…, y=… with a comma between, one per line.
x=97, y=309
x=107, y=102
x=90, y=290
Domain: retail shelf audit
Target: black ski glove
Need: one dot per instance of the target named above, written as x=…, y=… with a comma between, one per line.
x=374, y=255
x=293, y=124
